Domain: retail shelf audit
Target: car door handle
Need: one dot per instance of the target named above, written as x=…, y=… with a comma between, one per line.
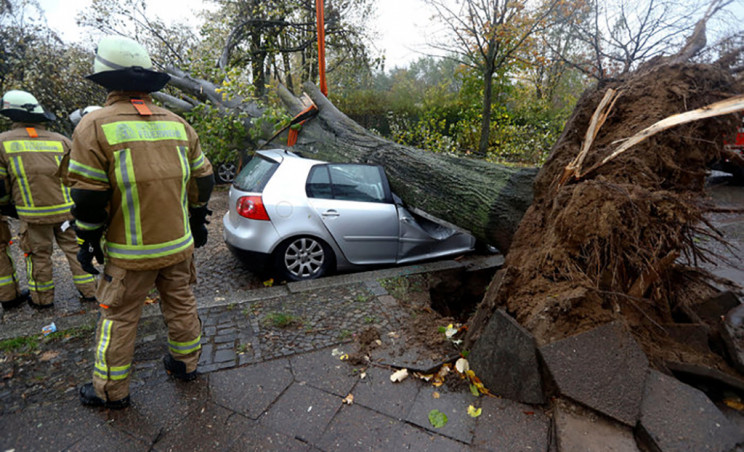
x=330, y=213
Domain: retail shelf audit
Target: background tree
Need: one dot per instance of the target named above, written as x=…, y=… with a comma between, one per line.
x=488, y=36
x=618, y=35
x=34, y=59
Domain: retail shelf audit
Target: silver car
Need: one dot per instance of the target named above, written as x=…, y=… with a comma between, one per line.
x=301, y=219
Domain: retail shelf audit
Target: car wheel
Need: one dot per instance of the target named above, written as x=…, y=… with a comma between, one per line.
x=226, y=172
x=302, y=258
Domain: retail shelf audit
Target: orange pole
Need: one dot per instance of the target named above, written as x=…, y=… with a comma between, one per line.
x=321, y=46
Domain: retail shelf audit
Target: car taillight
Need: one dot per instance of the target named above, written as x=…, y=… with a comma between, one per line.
x=251, y=207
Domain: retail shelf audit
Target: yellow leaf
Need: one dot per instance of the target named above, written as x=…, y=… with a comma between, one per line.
x=268, y=282
x=349, y=399
x=438, y=383
x=734, y=403
x=473, y=412
x=436, y=395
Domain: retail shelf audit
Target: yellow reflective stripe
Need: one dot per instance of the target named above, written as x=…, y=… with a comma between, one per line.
x=65, y=188
x=104, y=341
x=7, y=280
x=44, y=210
x=113, y=372
x=184, y=348
x=16, y=165
x=133, y=252
x=198, y=163
x=128, y=131
x=186, y=171
x=12, y=147
x=130, y=206
x=87, y=171
x=35, y=286
x=3, y=171
x=83, y=279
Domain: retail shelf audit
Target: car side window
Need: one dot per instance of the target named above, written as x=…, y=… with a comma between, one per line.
x=319, y=183
x=357, y=183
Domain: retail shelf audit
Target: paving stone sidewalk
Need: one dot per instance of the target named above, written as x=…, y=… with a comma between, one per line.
x=271, y=379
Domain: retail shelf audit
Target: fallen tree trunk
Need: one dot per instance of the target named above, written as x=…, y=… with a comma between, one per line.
x=484, y=198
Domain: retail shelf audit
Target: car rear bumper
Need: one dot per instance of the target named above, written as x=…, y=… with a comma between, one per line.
x=258, y=262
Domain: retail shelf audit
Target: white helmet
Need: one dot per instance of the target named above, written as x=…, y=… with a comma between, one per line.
x=21, y=106
x=124, y=64
x=78, y=114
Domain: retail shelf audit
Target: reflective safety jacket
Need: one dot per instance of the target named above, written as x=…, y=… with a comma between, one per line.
x=148, y=158
x=29, y=158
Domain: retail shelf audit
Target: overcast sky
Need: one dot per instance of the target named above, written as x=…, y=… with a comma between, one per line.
x=401, y=24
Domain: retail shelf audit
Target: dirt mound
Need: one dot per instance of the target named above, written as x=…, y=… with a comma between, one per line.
x=620, y=243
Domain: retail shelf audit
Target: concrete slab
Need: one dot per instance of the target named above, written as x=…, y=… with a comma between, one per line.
x=376, y=391
x=454, y=405
x=357, y=428
x=694, y=335
x=505, y=359
x=324, y=371
x=251, y=390
x=108, y=440
x=733, y=336
x=678, y=417
x=49, y=427
x=508, y=425
x=416, y=439
x=260, y=438
x=206, y=429
x=712, y=309
x=159, y=405
x=603, y=369
x=579, y=430
x=303, y=412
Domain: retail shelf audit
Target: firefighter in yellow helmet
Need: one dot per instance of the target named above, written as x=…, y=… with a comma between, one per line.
x=140, y=183
x=29, y=158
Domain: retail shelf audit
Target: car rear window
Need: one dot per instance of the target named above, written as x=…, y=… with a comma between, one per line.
x=256, y=174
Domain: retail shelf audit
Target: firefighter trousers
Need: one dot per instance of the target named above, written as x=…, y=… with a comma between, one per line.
x=37, y=243
x=121, y=294
x=8, y=277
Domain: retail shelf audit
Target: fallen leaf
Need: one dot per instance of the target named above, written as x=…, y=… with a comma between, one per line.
x=462, y=365
x=400, y=375
x=393, y=334
x=363, y=375
x=436, y=395
x=378, y=342
x=349, y=399
x=438, y=383
x=344, y=357
x=268, y=282
x=473, y=412
x=734, y=403
x=336, y=352
x=450, y=331
x=49, y=355
x=474, y=390
x=425, y=377
x=437, y=418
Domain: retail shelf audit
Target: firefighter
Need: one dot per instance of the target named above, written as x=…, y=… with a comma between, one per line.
x=29, y=159
x=140, y=183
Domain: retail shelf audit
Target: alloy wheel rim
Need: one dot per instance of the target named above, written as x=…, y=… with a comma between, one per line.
x=304, y=257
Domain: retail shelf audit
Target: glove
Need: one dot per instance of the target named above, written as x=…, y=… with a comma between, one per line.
x=9, y=210
x=90, y=247
x=198, y=222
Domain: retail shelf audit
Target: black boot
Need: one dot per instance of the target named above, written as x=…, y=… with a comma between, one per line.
x=19, y=299
x=177, y=368
x=88, y=397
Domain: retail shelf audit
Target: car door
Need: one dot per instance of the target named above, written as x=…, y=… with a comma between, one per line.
x=355, y=205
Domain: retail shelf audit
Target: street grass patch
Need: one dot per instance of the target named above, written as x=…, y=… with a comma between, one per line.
x=24, y=344
x=282, y=320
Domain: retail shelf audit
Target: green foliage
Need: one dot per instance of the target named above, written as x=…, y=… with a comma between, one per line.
x=282, y=320
x=26, y=344
x=437, y=419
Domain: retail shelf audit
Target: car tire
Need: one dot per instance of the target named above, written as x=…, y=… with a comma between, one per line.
x=226, y=172
x=302, y=258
